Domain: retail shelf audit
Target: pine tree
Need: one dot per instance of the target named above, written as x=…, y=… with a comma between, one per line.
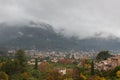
x=92, y=68
x=36, y=63
x=22, y=59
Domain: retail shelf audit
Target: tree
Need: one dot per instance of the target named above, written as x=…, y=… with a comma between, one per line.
x=37, y=74
x=3, y=76
x=95, y=77
x=103, y=55
x=25, y=75
x=11, y=67
x=36, y=63
x=44, y=66
x=54, y=75
x=21, y=58
x=92, y=68
x=114, y=71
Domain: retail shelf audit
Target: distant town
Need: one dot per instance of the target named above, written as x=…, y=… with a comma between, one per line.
x=68, y=62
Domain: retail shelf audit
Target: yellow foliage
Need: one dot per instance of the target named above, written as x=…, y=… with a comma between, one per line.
x=95, y=77
x=68, y=79
x=3, y=76
x=1, y=64
x=87, y=65
x=82, y=77
x=102, y=78
x=118, y=73
x=54, y=75
x=25, y=75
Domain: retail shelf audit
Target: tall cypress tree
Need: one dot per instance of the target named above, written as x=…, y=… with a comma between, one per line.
x=92, y=68
x=36, y=63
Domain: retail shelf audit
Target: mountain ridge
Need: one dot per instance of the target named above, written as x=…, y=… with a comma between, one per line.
x=42, y=36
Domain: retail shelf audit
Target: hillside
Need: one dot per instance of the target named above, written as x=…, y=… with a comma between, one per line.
x=43, y=37
x=40, y=36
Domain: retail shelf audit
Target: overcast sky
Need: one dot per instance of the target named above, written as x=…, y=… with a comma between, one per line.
x=85, y=18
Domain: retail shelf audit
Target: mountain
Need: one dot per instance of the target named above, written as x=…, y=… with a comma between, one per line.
x=42, y=36
x=33, y=35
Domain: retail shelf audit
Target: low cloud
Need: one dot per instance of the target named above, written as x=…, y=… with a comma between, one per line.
x=84, y=18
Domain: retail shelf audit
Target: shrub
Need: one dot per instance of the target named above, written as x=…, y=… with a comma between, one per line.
x=118, y=74
x=82, y=77
x=3, y=76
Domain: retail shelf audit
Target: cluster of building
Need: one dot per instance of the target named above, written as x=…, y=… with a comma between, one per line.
x=109, y=63
x=54, y=56
x=69, y=57
x=59, y=54
x=57, y=57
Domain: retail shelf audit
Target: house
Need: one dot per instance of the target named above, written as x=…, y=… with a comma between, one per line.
x=62, y=71
x=108, y=64
x=32, y=62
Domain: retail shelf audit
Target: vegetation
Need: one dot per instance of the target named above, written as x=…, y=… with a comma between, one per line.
x=82, y=77
x=36, y=63
x=16, y=68
x=118, y=74
x=3, y=76
x=92, y=68
x=103, y=55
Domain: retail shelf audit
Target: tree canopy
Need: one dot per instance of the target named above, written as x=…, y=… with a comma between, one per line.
x=103, y=55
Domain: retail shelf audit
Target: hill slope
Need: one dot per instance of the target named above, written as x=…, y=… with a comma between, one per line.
x=43, y=37
x=40, y=36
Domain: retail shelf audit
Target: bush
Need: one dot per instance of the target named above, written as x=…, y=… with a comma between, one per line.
x=118, y=74
x=25, y=75
x=82, y=77
x=102, y=78
x=3, y=76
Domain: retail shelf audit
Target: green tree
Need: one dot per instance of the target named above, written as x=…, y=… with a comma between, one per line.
x=21, y=58
x=114, y=71
x=11, y=67
x=26, y=75
x=36, y=74
x=103, y=55
x=92, y=68
x=36, y=63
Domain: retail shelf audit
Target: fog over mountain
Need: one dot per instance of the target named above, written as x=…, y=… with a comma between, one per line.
x=60, y=24
x=83, y=18
x=42, y=36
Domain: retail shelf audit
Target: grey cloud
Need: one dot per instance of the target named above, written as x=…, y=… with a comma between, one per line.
x=83, y=18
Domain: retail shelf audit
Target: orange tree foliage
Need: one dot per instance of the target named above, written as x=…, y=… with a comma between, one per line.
x=65, y=61
x=44, y=66
x=25, y=75
x=54, y=75
x=95, y=77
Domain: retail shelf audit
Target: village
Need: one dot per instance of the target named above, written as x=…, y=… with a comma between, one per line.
x=69, y=58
